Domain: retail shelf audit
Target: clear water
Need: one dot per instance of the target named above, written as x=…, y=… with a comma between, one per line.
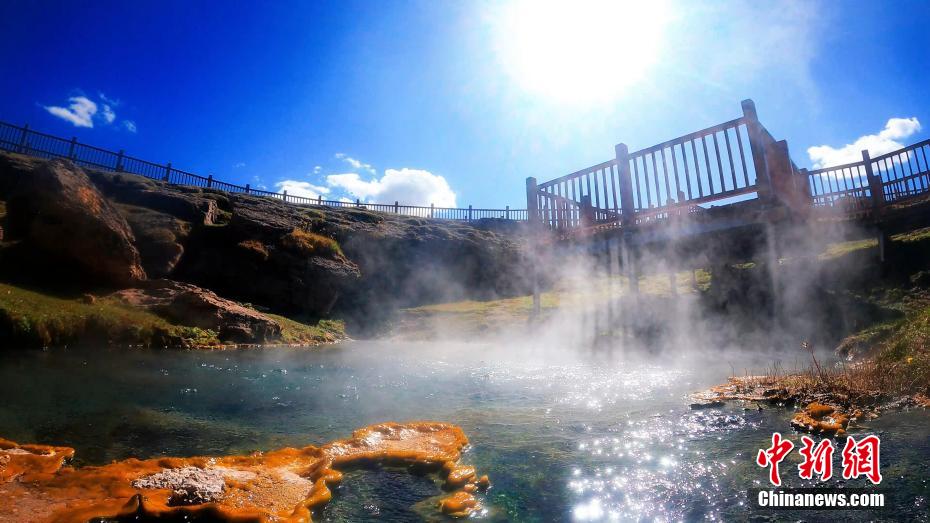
x=562, y=437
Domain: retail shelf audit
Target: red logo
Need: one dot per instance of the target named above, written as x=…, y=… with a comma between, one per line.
x=772, y=456
x=861, y=458
x=817, y=459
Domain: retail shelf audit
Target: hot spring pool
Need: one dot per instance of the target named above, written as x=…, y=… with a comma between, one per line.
x=562, y=438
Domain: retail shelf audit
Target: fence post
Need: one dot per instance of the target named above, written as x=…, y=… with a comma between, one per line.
x=168, y=172
x=627, y=206
x=469, y=213
x=396, y=207
x=284, y=196
x=507, y=212
x=532, y=202
x=319, y=199
x=875, y=182
x=358, y=202
x=22, y=139
x=532, y=218
x=119, y=161
x=431, y=208
x=757, y=146
x=71, y=148
x=209, y=180
x=247, y=188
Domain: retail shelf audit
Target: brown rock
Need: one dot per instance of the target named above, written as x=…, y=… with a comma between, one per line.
x=54, y=207
x=193, y=306
x=159, y=236
x=818, y=418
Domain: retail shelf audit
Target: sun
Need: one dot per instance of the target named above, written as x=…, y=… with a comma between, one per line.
x=578, y=51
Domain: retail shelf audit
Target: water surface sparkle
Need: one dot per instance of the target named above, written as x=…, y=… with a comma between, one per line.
x=562, y=437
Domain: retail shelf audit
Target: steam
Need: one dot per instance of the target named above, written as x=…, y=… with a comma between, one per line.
x=760, y=292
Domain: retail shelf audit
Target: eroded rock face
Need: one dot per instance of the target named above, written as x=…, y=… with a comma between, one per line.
x=283, y=485
x=160, y=238
x=54, y=207
x=197, y=307
x=241, y=246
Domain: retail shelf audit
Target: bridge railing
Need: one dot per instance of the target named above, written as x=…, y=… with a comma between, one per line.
x=679, y=176
x=870, y=184
x=905, y=173
x=27, y=141
x=845, y=187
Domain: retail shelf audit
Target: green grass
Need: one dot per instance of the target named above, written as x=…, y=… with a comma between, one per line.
x=474, y=316
x=840, y=249
x=299, y=333
x=917, y=235
x=34, y=319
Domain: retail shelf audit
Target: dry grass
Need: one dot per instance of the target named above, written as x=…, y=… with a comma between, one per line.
x=898, y=365
x=309, y=243
x=256, y=247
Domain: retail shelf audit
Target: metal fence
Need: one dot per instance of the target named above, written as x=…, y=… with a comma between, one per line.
x=24, y=140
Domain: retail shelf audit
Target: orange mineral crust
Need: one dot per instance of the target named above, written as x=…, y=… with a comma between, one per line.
x=285, y=485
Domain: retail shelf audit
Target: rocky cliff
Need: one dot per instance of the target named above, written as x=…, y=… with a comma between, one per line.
x=72, y=230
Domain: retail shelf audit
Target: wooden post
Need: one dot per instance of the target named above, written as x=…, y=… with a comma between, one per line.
x=469, y=213
x=22, y=140
x=627, y=207
x=532, y=203
x=119, y=161
x=168, y=172
x=804, y=177
x=358, y=202
x=247, y=188
x=587, y=211
x=210, y=180
x=71, y=148
x=630, y=263
x=757, y=146
x=875, y=183
x=396, y=207
x=319, y=199
x=532, y=218
x=507, y=213
x=284, y=196
x=431, y=209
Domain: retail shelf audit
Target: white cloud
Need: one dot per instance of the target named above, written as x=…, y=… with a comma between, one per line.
x=80, y=112
x=109, y=101
x=84, y=112
x=298, y=188
x=877, y=144
x=409, y=186
x=317, y=169
x=108, y=114
x=354, y=163
x=238, y=165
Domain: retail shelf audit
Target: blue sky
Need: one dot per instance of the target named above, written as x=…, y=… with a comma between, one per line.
x=455, y=102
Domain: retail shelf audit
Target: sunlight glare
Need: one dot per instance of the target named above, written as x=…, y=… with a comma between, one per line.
x=581, y=51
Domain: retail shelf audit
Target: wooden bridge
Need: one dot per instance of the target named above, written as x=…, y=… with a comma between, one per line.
x=732, y=181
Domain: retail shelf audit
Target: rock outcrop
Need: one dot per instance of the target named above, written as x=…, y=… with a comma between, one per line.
x=54, y=207
x=298, y=260
x=193, y=306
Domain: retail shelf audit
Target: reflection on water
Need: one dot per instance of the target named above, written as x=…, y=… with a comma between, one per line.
x=561, y=438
